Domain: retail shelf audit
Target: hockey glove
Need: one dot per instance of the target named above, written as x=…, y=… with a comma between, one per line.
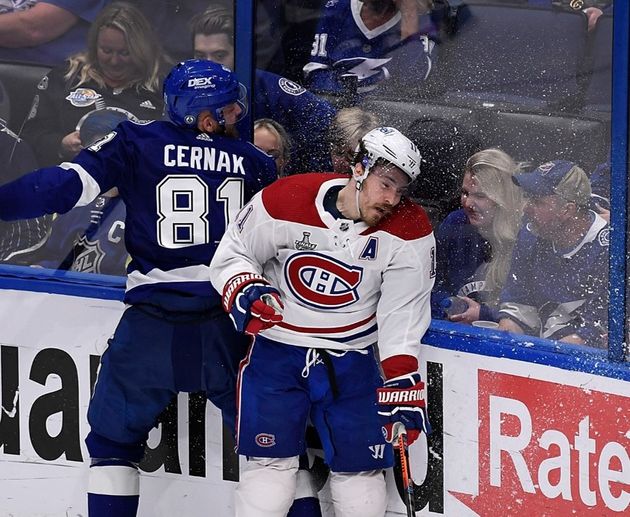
x=402, y=399
x=253, y=305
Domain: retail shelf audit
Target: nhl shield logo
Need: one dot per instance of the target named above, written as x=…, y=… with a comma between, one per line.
x=90, y=258
x=305, y=243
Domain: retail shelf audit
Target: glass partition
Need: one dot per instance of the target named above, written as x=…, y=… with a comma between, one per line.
x=509, y=103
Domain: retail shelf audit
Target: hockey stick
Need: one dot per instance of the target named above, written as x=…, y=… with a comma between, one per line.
x=400, y=434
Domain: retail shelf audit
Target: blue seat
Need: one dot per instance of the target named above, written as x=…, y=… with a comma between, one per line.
x=517, y=55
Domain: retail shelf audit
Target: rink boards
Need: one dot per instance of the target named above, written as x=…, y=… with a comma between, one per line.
x=524, y=429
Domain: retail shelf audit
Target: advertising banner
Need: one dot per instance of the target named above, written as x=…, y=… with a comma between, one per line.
x=509, y=437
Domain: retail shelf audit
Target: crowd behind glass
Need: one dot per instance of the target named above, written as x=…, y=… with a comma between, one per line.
x=521, y=221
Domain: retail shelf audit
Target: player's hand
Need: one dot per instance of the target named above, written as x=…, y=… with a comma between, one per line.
x=402, y=399
x=71, y=145
x=469, y=315
x=252, y=303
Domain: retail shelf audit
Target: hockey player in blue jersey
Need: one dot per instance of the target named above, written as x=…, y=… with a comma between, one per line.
x=305, y=116
x=368, y=42
x=182, y=181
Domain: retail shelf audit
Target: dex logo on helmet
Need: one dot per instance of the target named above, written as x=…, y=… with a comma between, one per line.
x=201, y=82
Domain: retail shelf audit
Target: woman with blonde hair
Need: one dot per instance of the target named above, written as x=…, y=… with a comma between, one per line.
x=120, y=70
x=474, y=243
x=271, y=137
x=346, y=130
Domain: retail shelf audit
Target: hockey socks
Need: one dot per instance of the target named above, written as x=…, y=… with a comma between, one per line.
x=113, y=489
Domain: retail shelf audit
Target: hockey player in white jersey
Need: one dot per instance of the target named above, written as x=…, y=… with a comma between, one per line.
x=321, y=269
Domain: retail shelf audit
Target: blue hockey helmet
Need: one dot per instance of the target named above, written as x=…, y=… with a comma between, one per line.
x=197, y=85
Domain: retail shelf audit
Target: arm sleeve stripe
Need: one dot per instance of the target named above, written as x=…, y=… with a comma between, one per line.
x=91, y=189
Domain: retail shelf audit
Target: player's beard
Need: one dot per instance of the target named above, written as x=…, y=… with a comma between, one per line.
x=230, y=131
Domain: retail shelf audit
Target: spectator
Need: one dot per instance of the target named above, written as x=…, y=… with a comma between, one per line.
x=445, y=148
x=305, y=117
x=120, y=68
x=272, y=138
x=89, y=239
x=358, y=44
x=18, y=238
x=45, y=32
x=97, y=248
x=557, y=286
x=346, y=131
x=592, y=9
x=474, y=243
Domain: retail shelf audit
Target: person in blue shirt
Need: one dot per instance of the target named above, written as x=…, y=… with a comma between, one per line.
x=557, y=285
x=358, y=45
x=88, y=239
x=46, y=31
x=474, y=243
x=182, y=181
x=305, y=116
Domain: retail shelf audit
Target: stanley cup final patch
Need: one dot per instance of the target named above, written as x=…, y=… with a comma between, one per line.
x=305, y=243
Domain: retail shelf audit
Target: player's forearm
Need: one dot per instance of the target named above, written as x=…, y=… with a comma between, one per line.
x=44, y=191
x=39, y=24
x=410, y=12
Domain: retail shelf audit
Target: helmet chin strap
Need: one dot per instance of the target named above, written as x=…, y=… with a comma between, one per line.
x=367, y=165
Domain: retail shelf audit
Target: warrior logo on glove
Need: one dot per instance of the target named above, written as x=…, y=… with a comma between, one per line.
x=402, y=399
x=252, y=303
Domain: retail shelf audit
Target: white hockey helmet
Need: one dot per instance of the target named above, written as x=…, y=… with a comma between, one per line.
x=394, y=147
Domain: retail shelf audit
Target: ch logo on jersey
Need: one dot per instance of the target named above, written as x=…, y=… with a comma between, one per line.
x=321, y=281
x=377, y=451
x=265, y=440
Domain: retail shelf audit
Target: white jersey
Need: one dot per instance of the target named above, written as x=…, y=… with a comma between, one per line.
x=344, y=285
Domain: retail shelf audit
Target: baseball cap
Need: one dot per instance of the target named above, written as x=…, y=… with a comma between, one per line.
x=559, y=177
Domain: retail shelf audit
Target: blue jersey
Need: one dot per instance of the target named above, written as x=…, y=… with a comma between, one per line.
x=552, y=293
x=56, y=51
x=344, y=46
x=89, y=239
x=305, y=117
x=463, y=256
x=181, y=188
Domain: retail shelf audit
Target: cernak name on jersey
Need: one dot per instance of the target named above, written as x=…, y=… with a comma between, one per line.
x=203, y=159
x=321, y=281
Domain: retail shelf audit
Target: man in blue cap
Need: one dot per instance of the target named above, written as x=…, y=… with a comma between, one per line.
x=557, y=284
